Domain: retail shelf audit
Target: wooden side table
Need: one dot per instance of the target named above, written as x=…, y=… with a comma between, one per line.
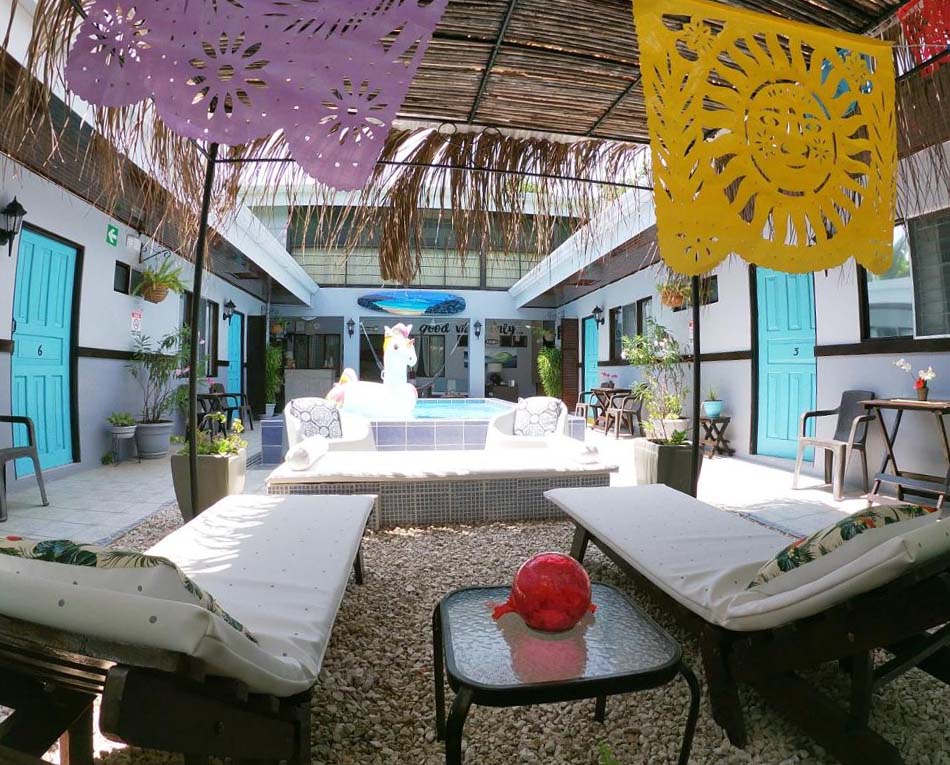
x=714, y=436
x=504, y=663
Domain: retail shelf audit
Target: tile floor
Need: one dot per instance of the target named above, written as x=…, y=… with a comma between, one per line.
x=96, y=506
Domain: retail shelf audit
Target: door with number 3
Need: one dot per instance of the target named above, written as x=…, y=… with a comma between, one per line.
x=42, y=347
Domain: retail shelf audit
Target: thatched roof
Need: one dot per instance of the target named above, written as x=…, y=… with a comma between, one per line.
x=566, y=66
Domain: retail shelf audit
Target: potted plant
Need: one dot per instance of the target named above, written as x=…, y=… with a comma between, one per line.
x=121, y=425
x=549, y=370
x=712, y=405
x=222, y=466
x=608, y=379
x=674, y=292
x=157, y=368
x=924, y=376
x=156, y=283
x=273, y=370
x=664, y=456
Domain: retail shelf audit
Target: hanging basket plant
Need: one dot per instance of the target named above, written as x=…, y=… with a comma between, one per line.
x=156, y=283
x=673, y=293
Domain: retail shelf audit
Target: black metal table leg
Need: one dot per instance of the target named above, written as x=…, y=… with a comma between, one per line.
x=358, y=566
x=453, y=732
x=600, y=709
x=693, y=716
x=579, y=545
x=438, y=662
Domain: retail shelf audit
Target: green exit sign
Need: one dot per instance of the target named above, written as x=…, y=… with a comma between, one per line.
x=112, y=235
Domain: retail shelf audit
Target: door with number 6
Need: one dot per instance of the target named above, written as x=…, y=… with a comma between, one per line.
x=42, y=347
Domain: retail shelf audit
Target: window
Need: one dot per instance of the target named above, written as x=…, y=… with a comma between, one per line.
x=929, y=238
x=708, y=292
x=628, y=320
x=207, y=332
x=122, y=278
x=320, y=351
x=889, y=297
x=431, y=355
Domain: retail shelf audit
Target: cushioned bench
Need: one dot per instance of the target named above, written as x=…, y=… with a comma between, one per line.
x=888, y=587
x=176, y=673
x=424, y=488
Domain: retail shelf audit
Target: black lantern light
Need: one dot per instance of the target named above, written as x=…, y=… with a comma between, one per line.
x=598, y=313
x=13, y=215
x=478, y=329
x=229, y=310
x=351, y=327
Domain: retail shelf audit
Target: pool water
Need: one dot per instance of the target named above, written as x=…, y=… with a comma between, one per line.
x=457, y=409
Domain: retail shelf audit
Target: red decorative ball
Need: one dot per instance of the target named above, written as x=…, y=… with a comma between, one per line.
x=551, y=592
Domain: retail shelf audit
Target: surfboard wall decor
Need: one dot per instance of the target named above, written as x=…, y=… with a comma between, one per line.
x=413, y=302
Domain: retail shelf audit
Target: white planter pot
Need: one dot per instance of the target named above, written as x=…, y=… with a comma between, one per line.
x=665, y=428
x=269, y=410
x=122, y=431
x=218, y=477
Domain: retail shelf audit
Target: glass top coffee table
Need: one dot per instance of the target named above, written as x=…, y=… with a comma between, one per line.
x=618, y=649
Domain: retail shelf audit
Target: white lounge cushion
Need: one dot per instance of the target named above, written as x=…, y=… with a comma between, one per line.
x=307, y=452
x=278, y=565
x=449, y=464
x=704, y=558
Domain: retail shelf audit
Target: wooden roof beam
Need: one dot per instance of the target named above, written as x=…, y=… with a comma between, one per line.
x=483, y=85
x=613, y=107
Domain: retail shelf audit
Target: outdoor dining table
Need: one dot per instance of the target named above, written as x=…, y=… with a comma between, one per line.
x=906, y=480
x=604, y=398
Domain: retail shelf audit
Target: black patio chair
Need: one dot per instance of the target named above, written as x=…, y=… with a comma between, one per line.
x=622, y=412
x=233, y=404
x=16, y=452
x=851, y=435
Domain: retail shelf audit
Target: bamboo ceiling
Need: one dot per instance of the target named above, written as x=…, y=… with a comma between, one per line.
x=565, y=66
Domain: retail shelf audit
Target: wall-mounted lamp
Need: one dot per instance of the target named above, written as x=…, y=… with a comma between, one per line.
x=351, y=327
x=13, y=215
x=598, y=315
x=229, y=310
x=478, y=329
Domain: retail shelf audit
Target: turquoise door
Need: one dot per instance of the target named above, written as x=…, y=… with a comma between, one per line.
x=591, y=354
x=42, y=328
x=787, y=367
x=236, y=354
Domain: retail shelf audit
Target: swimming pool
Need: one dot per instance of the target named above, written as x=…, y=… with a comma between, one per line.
x=458, y=409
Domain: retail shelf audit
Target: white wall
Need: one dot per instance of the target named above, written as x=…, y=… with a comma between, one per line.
x=480, y=305
x=103, y=385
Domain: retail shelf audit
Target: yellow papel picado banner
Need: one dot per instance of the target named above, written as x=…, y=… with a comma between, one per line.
x=772, y=140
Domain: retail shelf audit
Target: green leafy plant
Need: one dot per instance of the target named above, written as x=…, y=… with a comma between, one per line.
x=549, y=370
x=121, y=419
x=107, y=459
x=712, y=395
x=217, y=443
x=663, y=389
x=156, y=366
x=605, y=755
x=166, y=277
x=273, y=372
x=678, y=438
x=675, y=291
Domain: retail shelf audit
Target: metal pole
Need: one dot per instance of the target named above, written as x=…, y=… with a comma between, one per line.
x=200, y=246
x=697, y=454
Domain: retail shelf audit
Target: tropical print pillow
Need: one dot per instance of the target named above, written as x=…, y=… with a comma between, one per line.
x=536, y=416
x=66, y=552
x=822, y=542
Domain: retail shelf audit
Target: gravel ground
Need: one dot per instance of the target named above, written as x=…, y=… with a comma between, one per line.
x=374, y=702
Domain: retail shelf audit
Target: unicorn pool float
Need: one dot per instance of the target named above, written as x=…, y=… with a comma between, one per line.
x=392, y=399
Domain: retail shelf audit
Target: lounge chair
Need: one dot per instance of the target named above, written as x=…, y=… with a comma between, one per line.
x=528, y=424
x=697, y=562
x=175, y=674
x=850, y=436
x=344, y=431
x=27, y=451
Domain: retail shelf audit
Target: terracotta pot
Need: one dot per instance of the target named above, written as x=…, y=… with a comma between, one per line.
x=155, y=294
x=922, y=393
x=218, y=477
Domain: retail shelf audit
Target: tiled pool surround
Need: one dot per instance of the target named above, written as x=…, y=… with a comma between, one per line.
x=409, y=435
